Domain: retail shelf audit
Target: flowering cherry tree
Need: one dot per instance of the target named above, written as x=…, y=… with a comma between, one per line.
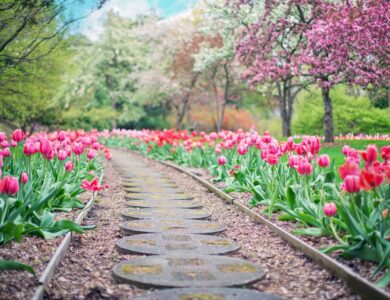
x=326, y=42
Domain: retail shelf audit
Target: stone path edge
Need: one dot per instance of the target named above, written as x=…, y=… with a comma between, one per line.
x=61, y=250
x=357, y=283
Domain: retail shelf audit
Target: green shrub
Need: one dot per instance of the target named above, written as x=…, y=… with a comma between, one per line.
x=351, y=114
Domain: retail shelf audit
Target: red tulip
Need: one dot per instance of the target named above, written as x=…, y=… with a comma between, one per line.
x=93, y=185
x=24, y=178
x=18, y=135
x=370, y=155
x=108, y=155
x=9, y=185
x=323, y=160
x=348, y=168
x=352, y=184
x=69, y=166
x=385, y=153
x=221, y=160
x=370, y=179
x=330, y=209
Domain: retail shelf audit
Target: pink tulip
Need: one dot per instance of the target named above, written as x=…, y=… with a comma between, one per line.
x=304, y=167
x=323, y=160
x=18, y=135
x=385, y=153
x=96, y=146
x=3, y=136
x=272, y=159
x=24, y=178
x=62, y=155
x=6, y=152
x=13, y=144
x=91, y=154
x=9, y=185
x=4, y=144
x=330, y=209
x=45, y=148
x=69, y=166
x=78, y=148
x=242, y=149
x=345, y=150
x=221, y=160
x=352, y=184
x=61, y=136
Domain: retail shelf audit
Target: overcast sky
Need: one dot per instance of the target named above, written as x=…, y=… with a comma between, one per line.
x=92, y=26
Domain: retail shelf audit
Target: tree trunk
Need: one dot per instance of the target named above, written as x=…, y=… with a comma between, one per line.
x=225, y=98
x=282, y=97
x=181, y=113
x=328, y=116
x=113, y=98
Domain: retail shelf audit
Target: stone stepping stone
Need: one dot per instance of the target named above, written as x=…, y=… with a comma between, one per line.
x=207, y=294
x=158, y=196
x=164, y=204
x=180, y=226
x=145, y=185
x=157, y=244
x=188, y=270
x=165, y=213
x=152, y=189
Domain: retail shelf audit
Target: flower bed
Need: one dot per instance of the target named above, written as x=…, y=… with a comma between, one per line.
x=42, y=177
x=293, y=181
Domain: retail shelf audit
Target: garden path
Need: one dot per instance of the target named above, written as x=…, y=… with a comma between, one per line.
x=167, y=222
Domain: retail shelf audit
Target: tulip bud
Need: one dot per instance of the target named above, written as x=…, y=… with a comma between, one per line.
x=323, y=160
x=24, y=178
x=9, y=185
x=272, y=159
x=18, y=135
x=330, y=209
x=221, y=160
x=69, y=166
x=14, y=144
x=385, y=153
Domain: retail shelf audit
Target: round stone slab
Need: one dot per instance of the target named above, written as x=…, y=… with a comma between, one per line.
x=208, y=294
x=158, y=196
x=152, y=189
x=169, y=243
x=172, y=226
x=188, y=270
x=165, y=213
x=164, y=204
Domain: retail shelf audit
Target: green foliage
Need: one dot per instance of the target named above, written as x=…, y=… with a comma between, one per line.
x=351, y=114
